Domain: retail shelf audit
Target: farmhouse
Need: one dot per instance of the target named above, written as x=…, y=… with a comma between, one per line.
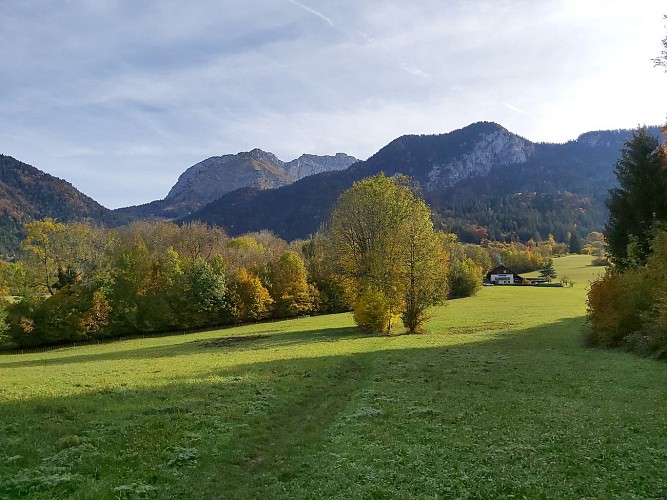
x=503, y=275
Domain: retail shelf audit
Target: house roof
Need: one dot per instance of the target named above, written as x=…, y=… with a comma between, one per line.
x=501, y=270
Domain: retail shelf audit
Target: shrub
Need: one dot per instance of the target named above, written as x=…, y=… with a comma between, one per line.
x=617, y=306
x=372, y=312
x=465, y=278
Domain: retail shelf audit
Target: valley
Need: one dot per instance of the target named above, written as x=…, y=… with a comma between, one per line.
x=499, y=399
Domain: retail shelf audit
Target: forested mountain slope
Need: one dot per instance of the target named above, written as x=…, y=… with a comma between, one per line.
x=481, y=180
x=27, y=193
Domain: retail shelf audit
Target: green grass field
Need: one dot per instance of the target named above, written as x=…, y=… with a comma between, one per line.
x=499, y=400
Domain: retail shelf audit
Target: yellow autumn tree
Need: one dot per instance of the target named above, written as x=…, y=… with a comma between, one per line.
x=387, y=253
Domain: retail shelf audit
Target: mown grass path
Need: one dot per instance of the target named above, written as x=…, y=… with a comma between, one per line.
x=500, y=400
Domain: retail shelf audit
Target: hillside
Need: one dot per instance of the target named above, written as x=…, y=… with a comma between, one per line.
x=214, y=177
x=27, y=193
x=480, y=175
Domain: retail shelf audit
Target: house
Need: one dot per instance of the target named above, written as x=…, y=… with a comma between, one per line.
x=502, y=275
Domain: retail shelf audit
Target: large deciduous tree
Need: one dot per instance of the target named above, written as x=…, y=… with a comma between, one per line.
x=639, y=203
x=425, y=268
x=44, y=252
x=387, y=252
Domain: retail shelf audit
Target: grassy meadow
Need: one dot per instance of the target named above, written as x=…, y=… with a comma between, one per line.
x=499, y=400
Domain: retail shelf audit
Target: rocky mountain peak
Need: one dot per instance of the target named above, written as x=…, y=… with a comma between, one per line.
x=264, y=156
x=488, y=146
x=211, y=178
x=307, y=164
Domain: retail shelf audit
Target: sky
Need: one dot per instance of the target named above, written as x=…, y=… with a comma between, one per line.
x=120, y=97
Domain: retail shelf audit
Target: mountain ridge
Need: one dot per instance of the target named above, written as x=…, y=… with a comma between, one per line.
x=479, y=175
x=209, y=179
x=480, y=164
x=27, y=194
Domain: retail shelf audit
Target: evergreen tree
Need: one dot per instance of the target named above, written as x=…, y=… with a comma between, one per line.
x=575, y=242
x=548, y=272
x=639, y=203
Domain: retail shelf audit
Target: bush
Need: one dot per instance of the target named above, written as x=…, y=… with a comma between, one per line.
x=618, y=305
x=465, y=279
x=600, y=261
x=372, y=312
x=629, y=309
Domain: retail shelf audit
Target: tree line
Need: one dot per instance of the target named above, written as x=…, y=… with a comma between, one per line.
x=379, y=256
x=627, y=308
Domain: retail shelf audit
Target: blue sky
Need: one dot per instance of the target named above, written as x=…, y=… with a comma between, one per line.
x=120, y=97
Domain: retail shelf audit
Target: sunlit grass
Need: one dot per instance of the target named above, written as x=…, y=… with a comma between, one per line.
x=500, y=399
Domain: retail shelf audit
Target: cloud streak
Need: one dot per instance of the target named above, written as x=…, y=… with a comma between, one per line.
x=313, y=12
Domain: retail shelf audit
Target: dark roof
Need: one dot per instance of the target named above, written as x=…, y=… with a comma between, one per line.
x=501, y=270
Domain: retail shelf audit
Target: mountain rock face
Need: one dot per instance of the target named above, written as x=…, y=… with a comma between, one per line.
x=214, y=177
x=307, y=165
x=441, y=161
x=493, y=149
x=28, y=194
x=208, y=180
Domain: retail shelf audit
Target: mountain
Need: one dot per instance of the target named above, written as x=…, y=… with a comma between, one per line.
x=307, y=165
x=480, y=179
x=27, y=194
x=214, y=177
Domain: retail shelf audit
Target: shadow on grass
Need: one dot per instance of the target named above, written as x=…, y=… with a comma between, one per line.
x=565, y=333
x=265, y=338
x=519, y=394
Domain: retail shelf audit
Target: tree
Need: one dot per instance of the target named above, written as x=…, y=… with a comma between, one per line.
x=252, y=299
x=465, y=278
x=425, y=268
x=639, y=203
x=548, y=272
x=386, y=250
x=661, y=60
x=4, y=326
x=575, y=242
x=289, y=286
x=41, y=246
x=163, y=304
x=330, y=290
x=205, y=292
